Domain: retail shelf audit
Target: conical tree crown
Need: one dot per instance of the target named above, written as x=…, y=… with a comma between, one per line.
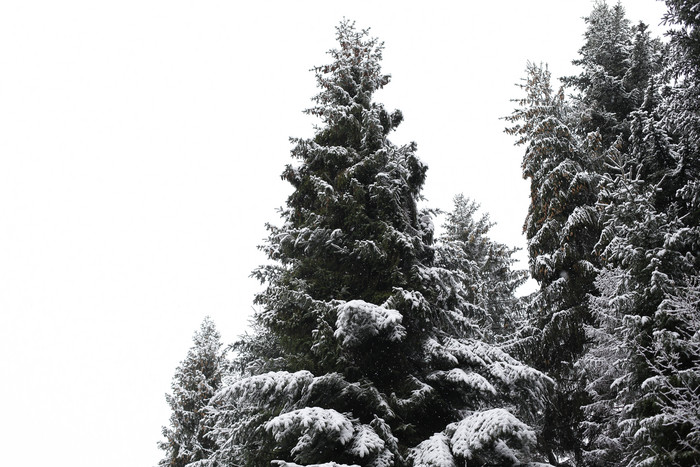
x=380, y=356
x=352, y=230
x=196, y=380
x=561, y=228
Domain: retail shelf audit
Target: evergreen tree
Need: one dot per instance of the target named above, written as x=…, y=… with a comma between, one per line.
x=561, y=227
x=617, y=61
x=649, y=247
x=685, y=39
x=196, y=380
x=486, y=266
x=564, y=159
x=681, y=116
x=604, y=58
x=632, y=286
x=675, y=368
x=605, y=364
x=643, y=266
x=381, y=361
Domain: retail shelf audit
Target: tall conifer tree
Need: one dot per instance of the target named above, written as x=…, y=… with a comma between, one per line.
x=649, y=246
x=381, y=360
x=561, y=228
x=642, y=246
x=565, y=161
x=617, y=60
x=681, y=111
x=641, y=266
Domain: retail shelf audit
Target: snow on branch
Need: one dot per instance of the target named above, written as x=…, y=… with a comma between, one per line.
x=312, y=427
x=279, y=463
x=462, y=378
x=490, y=430
x=366, y=442
x=268, y=388
x=433, y=452
x=359, y=320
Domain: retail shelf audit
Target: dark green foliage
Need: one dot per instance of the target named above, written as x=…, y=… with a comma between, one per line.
x=685, y=38
x=617, y=61
x=561, y=227
x=352, y=226
x=370, y=337
x=640, y=413
x=197, y=379
x=486, y=266
x=675, y=369
x=598, y=168
x=605, y=101
x=681, y=111
x=641, y=267
x=375, y=345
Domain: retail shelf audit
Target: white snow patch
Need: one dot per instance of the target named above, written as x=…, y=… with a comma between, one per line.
x=311, y=422
x=433, y=452
x=459, y=376
x=487, y=429
x=279, y=463
x=365, y=442
x=359, y=320
x=269, y=387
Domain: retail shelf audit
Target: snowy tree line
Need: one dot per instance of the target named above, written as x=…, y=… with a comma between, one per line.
x=378, y=343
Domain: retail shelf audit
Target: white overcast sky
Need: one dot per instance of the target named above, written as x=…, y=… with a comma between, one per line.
x=141, y=144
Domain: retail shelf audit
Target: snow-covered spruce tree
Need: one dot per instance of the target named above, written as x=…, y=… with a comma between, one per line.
x=487, y=269
x=604, y=60
x=561, y=227
x=675, y=368
x=651, y=240
x=196, y=380
x=681, y=118
x=631, y=287
x=617, y=60
x=381, y=361
x=644, y=247
x=605, y=364
x=625, y=426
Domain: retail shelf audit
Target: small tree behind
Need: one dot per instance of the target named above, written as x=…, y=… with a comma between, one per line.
x=196, y=380
x=486, y=268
